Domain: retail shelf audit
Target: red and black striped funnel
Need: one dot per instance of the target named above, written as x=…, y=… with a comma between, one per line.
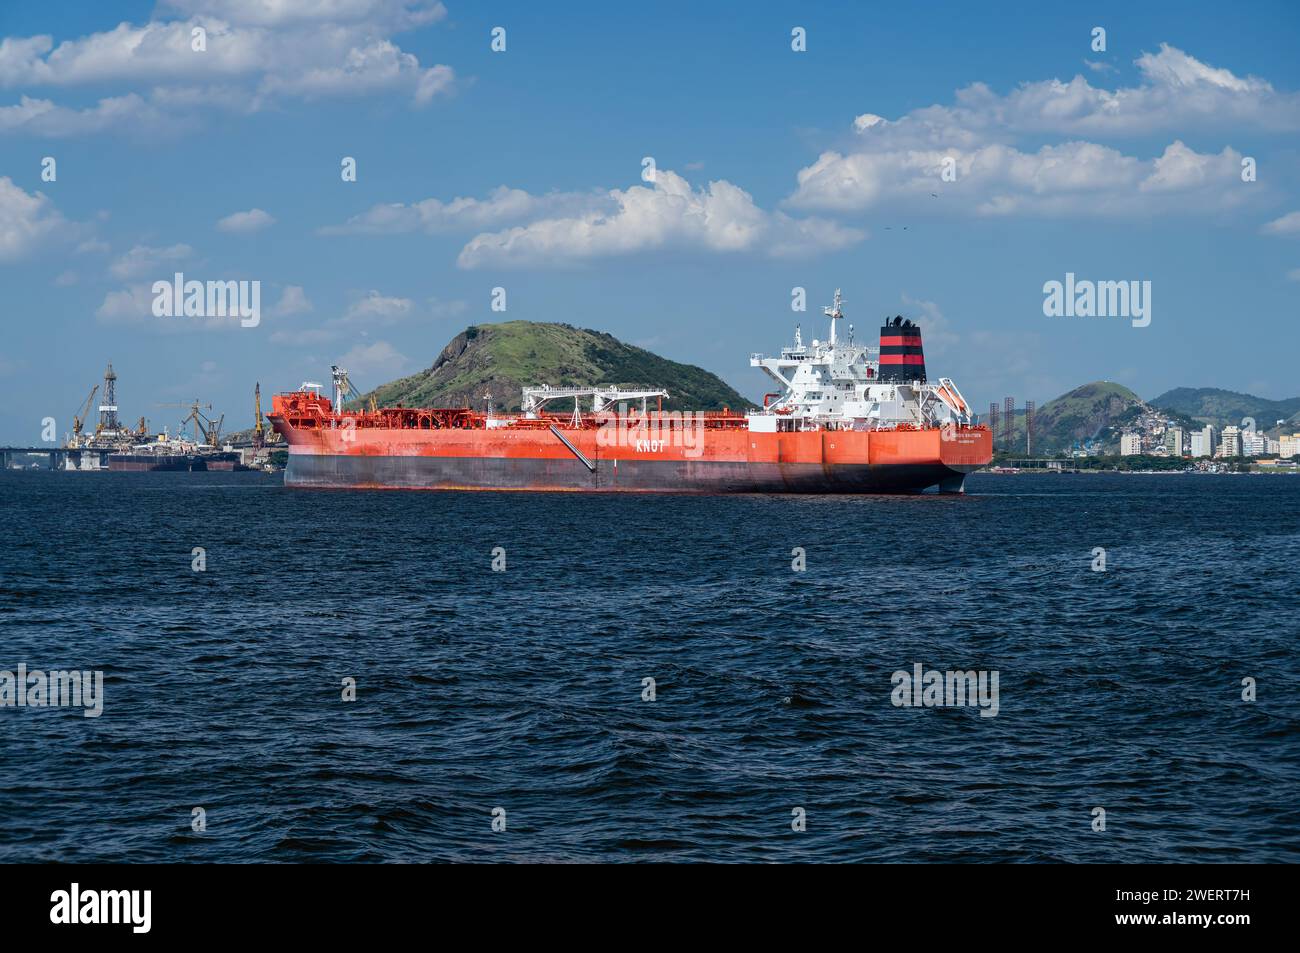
x=902, y=359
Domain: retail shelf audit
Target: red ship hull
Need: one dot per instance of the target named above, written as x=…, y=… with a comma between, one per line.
x=548, y=455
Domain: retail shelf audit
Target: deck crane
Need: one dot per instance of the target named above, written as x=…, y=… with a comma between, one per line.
x=343, y=388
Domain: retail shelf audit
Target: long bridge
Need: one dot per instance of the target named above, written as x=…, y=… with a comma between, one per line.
x=58, y=457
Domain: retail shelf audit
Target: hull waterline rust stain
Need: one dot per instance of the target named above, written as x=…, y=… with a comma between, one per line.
x=847, y=419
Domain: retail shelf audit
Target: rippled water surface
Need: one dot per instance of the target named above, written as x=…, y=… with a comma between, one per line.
x=522, y=689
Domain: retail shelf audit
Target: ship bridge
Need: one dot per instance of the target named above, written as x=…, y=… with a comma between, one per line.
x=840, y=384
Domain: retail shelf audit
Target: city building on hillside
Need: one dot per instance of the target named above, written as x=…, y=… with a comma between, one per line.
x=1174, y=441
x=1289, y=445
x=1198, y=444
x=1274, y=447
x=1208, y=438
x=1254, y=444
x=1230, y=445
x=1130, y=444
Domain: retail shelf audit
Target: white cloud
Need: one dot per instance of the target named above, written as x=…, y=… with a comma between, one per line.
x=393, y=14
x=376, y=308
x=996, y=179
x=27, y=221
x=257, y=51
x=668, y=215
x=133, y=303
x=379, y=359
x=1288, y=224
x=375, y=67
x=373, y=309
x=143, y=259
x=1176, y=92
x=501, y=205
x=43, y=118
x=249, y=221
x=293, y=300
x=902, y=161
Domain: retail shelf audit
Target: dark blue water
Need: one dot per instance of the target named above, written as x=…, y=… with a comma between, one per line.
x=523, y=689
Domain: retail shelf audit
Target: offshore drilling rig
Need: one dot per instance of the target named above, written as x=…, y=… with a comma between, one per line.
x=109, y=433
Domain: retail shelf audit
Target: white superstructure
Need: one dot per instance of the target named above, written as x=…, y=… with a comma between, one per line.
x=835, y=384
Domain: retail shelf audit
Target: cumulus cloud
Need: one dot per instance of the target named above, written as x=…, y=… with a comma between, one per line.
x=392, y=14
x=373, y=309
x=1288, y=224
x=974, y=141
x=668, y=215
x=256, y=52
x=378, y=359
x=249, y=221
x=27, y=221
x=42, y=117
x=376, y=67
x=293, y=300
x=501, y=205
x=133, y=303
x=143, y=259
x=376, y=308
x=1176, y=92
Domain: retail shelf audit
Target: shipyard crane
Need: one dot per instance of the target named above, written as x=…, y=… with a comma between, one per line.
x=259, y=435
x=79, y=418
x=206, y=430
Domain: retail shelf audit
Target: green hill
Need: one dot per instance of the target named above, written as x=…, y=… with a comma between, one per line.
x=501, y=359
x=1096, y=411
x=1212, y=405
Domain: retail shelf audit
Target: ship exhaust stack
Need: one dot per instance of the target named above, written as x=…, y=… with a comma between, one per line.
x=902, y=359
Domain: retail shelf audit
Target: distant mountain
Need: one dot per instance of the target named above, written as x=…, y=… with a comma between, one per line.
x=501, y=359
x=1212, y=405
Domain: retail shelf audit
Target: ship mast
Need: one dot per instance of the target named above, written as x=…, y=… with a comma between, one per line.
x=834, y=313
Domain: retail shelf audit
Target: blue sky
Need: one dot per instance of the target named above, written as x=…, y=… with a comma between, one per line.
x=522, y=169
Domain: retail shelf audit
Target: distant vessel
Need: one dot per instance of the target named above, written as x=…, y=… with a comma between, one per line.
x=174, y=454
x=195, y=462
x=848, y=418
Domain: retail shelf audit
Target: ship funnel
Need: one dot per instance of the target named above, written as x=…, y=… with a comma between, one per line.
x=902, y=359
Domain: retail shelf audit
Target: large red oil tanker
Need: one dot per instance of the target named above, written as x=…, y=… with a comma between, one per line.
x=847, y=419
